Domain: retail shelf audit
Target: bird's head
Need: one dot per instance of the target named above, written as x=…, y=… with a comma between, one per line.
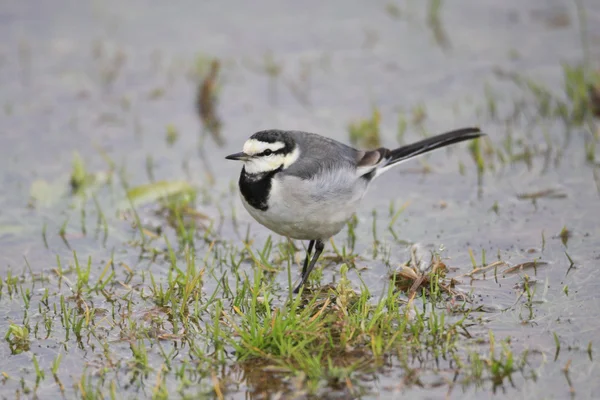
x=267, y=151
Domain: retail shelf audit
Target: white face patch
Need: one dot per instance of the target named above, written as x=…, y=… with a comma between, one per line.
x=262, y=164
x=253, y=146
x=291, y=158
x=258, y=165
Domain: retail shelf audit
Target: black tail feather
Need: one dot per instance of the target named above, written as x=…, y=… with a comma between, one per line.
x=432, y=143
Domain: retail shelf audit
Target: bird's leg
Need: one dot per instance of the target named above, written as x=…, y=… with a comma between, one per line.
x=319, y=246
x=307, y=259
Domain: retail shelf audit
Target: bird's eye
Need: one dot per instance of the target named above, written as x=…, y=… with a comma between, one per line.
x=267, y=152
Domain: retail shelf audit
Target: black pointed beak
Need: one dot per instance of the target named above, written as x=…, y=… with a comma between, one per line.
x=238, y=156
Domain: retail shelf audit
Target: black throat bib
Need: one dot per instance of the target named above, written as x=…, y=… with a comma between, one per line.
x=256, y=188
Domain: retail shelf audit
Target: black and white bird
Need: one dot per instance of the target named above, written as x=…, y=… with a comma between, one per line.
x=305, y=186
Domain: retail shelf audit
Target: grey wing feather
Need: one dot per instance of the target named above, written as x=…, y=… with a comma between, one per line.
x=369, y=161
x=372, y=158
x=318, y=154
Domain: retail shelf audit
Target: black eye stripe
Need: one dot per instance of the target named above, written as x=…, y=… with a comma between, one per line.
x=268, y=152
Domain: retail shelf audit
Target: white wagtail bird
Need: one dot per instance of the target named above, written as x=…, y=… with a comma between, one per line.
x=305, y=186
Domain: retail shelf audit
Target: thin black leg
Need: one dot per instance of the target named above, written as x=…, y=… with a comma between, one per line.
x=319, y=246
x=310, y=247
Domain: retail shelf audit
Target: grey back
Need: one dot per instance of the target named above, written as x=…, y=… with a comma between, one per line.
x=318, y=153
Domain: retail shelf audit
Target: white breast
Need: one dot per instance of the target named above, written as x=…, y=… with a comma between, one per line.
x=311, y=209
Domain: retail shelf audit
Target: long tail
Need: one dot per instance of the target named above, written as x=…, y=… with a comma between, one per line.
x=432, y=143
x=375, y=162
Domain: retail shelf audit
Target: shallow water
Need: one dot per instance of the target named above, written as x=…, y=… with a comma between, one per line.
x=104, y=78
